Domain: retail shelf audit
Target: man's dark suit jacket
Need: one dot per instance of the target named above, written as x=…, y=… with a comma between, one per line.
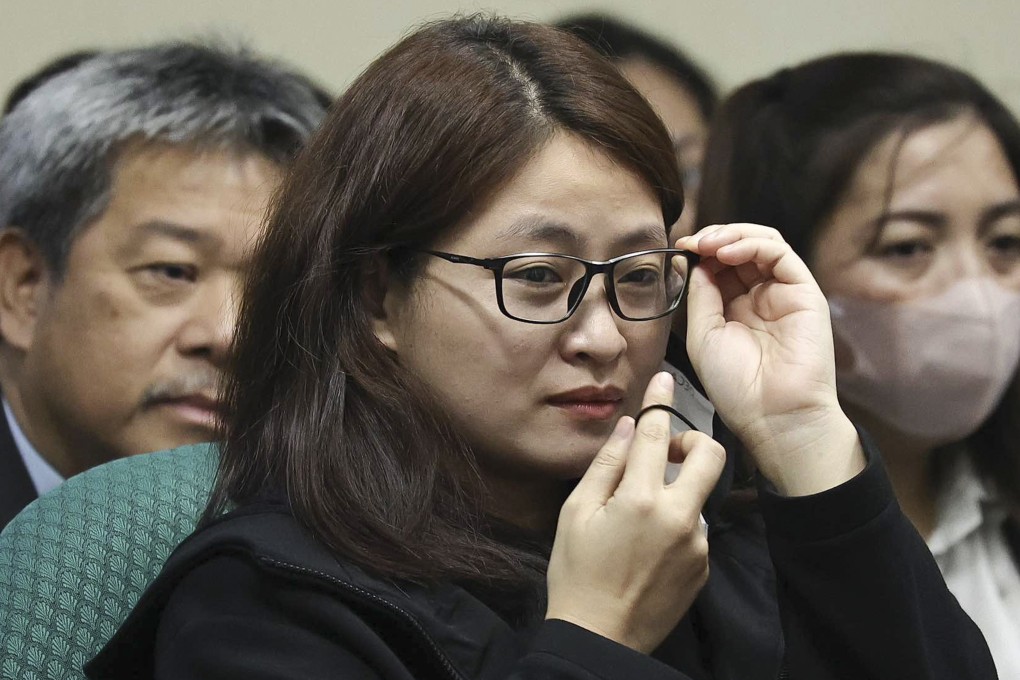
x=16, y=487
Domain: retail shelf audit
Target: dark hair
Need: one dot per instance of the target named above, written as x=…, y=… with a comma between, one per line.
x=32, y=81
x=186, y=94
x=320, y=408
x=619, y=41
x=783, y=150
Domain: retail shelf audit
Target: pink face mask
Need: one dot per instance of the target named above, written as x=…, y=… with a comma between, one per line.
x=932, y=367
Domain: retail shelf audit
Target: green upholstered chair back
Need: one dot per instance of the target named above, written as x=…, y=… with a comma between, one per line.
x=74, y=562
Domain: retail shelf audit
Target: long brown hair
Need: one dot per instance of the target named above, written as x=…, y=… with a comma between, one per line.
x=320, y=409
x=783, y=150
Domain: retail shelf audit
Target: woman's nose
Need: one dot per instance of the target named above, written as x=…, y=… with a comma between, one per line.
x=972, y=261
x=593, y=331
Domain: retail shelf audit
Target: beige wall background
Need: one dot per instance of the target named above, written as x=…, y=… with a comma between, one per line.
x=332, y=41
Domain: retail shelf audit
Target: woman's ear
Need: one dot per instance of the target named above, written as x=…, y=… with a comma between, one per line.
x=383, y=300
x=24, y=285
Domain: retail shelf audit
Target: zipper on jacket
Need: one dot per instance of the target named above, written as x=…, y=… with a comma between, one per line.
x=375, y=599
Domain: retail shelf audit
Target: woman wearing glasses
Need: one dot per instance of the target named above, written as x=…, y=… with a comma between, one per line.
x=896, y=179
x=433, y=469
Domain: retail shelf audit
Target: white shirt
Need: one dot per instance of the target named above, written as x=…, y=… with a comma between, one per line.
x=44, y=477
x=972, y=552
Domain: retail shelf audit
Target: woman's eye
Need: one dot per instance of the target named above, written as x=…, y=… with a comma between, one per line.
x=903, y=250
x=173, y=272
x=535, y=274
x=1006, y=244
x=642, y=276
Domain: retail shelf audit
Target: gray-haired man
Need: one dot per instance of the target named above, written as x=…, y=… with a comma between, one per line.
x=131, y=189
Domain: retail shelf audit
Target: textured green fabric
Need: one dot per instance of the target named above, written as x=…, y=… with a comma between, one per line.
x=74, y=562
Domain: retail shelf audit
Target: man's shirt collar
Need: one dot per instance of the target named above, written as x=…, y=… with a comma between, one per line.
x=44, y=477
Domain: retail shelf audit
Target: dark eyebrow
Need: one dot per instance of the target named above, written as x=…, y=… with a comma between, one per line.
x=175, y=231
x=997, y=212
x=538, y=229
x=563, y=236
x=647, y=236
x=937, y=220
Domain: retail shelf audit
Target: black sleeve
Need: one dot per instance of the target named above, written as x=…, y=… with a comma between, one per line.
x=229, y=619
x=860, y=595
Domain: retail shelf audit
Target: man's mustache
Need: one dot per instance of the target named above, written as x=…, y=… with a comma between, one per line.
x=208, y=383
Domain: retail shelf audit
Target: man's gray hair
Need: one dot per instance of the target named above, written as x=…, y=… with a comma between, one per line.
x=59, y=145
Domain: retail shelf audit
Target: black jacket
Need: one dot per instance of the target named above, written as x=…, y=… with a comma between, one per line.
x=836, y=585
x=16, y=487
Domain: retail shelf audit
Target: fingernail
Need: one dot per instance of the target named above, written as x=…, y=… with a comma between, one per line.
x=665, y=381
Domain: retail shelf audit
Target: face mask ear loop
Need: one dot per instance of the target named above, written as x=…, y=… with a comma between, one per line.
x=669, y=409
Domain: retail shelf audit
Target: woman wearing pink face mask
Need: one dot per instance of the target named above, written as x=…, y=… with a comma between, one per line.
x=896, y=179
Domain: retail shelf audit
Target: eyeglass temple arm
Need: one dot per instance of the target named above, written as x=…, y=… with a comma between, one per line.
x=461, y=259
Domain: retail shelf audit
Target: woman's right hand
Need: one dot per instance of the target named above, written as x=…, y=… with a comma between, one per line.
x=630, y=554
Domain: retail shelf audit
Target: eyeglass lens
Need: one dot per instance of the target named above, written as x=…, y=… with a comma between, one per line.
x=547, y=287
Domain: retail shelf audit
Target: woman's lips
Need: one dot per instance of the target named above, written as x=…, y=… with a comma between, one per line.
x=589, y=403
x=589, y=410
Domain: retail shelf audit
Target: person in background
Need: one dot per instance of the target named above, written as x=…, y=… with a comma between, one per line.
x=895, y=178
x=447, y=441
x=679, y=90
x=132, y=187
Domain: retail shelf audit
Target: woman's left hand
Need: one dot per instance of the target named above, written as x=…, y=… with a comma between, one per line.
x=759, y=336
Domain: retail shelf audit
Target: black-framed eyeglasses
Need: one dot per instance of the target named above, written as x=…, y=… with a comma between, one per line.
x=547, y=288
